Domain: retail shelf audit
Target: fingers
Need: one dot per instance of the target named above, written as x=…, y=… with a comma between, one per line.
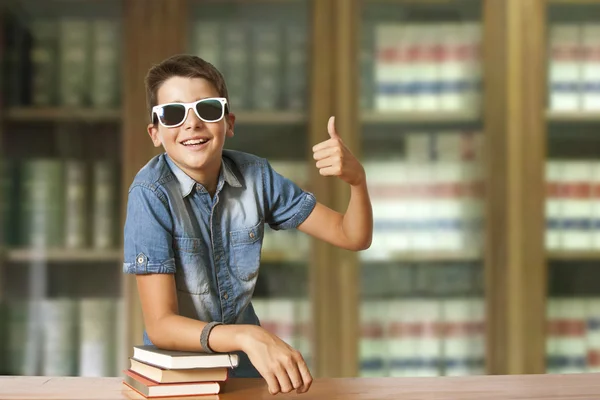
x=285, y=385
x=334, y=170
x=327, y=152
x=272, y=382
x=289, y=374
x=306, y=377
x=326, y=144
x=293, y=370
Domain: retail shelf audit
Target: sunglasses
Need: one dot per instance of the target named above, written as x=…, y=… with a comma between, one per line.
x=171, y=115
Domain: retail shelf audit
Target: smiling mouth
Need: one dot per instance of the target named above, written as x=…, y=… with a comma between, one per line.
x=194, y=142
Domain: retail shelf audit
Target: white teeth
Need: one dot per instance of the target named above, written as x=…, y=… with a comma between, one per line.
x=194, y=141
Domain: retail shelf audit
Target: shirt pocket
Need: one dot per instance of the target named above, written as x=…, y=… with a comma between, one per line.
x=191, y=272
x=246, y=245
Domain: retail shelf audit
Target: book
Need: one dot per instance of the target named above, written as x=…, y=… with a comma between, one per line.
x=149, y=388
x=162, y=375
x=173, y=359
x=131, y=394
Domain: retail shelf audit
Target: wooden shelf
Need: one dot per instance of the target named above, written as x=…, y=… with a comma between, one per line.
x=26, y=114
x=64, y=255
x=269, y=117
x=573, y=116
x=424, y=257
x=434, y=117
x=571, y=255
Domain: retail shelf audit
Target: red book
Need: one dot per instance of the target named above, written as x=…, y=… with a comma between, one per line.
x=151, y=389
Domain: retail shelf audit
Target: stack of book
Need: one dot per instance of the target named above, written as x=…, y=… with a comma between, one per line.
x=156, y=373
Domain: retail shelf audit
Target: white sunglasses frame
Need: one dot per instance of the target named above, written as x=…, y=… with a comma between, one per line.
x=189, y=106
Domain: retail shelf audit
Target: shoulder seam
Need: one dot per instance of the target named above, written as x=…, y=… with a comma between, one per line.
x=153, y=188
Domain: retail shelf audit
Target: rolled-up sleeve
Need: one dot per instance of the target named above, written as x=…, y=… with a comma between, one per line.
x=286, y=204
x=147, y=233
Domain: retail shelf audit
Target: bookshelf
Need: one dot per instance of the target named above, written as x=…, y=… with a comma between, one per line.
x=60, y=215
x=572, y=43
x=412, y=143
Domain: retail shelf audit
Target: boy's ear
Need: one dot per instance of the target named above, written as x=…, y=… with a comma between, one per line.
x=230, y=123
x=153, y=132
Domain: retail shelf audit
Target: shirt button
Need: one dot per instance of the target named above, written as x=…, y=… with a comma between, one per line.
x=225, y=296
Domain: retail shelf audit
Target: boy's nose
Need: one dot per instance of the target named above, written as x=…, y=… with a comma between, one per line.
x=192, y=121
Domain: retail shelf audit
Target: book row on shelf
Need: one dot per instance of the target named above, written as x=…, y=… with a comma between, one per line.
x=66, y=336
x=399, y=337
x=445, y=336
x=422, y=337
x=574, y=61
x=573, y=335
x=58, y=203
x=421, y=67
x=68, y=61
x=395, y=280
x=265, y=64
x=573, y=205
x=63, y=336
x=430, y=198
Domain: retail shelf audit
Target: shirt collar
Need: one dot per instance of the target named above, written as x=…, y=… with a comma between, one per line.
x=186, y=183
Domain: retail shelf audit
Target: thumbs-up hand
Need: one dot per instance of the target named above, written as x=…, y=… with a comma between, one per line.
x=334, y=159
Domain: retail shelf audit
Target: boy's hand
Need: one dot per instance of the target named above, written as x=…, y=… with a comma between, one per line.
x=334, y=158
x=283, y=368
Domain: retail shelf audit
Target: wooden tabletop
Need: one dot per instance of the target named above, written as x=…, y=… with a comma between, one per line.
x=522, y=387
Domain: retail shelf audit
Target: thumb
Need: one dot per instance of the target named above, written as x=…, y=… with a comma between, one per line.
x=331, y=128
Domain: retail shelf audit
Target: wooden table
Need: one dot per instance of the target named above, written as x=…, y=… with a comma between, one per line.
x=522, y=387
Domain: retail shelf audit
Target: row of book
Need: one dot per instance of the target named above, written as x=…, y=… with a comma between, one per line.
x=422, y=337
x=573, y=205
x=431, y=337
x=430, y=198
x=573, y=67
x=67, y=336
x=68, y=61
x=573, y=341
x=63, y=336
x=264, y=64
x=57, y=203
x=400, y=337
x=421, y=66
x=401, y=280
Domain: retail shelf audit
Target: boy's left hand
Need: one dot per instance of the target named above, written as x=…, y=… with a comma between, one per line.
x=334, y=159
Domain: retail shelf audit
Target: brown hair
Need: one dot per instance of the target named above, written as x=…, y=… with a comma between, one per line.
x=183, y=65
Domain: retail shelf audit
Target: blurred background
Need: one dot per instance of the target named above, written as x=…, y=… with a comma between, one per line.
x=476, y=121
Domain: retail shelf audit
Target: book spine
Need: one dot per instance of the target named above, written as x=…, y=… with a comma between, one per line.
x=106, y=77
x=565, y=67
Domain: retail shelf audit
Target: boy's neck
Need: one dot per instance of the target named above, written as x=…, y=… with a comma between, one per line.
x=208, y=177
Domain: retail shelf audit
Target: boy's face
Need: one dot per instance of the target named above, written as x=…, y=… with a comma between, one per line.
x=198, y=161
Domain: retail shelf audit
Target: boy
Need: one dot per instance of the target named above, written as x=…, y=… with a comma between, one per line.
x=195, y=220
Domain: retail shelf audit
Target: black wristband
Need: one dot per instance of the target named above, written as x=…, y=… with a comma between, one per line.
x=204, y=335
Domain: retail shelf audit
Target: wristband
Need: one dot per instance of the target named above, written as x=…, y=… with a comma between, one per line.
x=204, y=335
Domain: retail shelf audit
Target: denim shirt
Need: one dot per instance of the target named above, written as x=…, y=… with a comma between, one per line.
x=212, y=245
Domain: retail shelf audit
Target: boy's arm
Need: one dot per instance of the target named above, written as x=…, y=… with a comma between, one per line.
x=352, y=230
x=283, y=368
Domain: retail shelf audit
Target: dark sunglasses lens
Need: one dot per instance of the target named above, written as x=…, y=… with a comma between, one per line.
x=172, y=114
x=210, y=110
